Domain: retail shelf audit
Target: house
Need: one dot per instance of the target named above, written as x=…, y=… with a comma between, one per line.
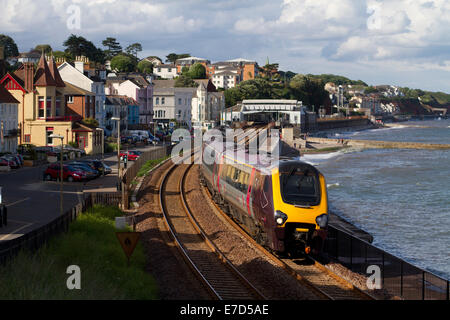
x=207, y=105
x=137, y=87
x=41, y=93
x=226, y=79
x=154, y=60
x=81, y=75
x=8, y=121
x=116, y=107
x=189, y=61
x=172, y=104
x=165, y=71
x=79, y=102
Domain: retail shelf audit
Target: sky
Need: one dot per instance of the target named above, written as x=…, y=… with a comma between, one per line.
x=398, y=42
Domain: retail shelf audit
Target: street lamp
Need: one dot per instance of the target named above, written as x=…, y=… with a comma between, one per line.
x=103, y=146
x=53, y=136
x=118, y=155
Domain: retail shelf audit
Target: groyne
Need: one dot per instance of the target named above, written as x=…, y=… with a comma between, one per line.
x=375, y=144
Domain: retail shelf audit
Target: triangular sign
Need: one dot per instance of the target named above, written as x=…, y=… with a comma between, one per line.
x=128, y=241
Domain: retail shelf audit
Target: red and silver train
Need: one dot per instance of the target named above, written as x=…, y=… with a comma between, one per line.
x=282, y=204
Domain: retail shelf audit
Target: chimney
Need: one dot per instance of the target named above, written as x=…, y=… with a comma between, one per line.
x=79, y=63
x=29, y=76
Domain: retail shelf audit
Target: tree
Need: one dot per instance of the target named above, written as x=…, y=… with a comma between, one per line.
x=145, y=66
x=184, y=81
x=123, y=63
x=310, y=91
x=172, y=57
x=79, y=46
x=44, y=47
x=197, y=71
x=133, y=49
x=114, y=48
x=10, y=46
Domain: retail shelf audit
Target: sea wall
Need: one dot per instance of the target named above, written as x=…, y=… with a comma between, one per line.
x=380, y=144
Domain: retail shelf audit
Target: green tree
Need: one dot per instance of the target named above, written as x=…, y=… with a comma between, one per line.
x=133, y=49
x=145, y=66
x=114, y=47
x=123, y=63
x=184, y=81
x=44, y=47
x=10, y=46
x=78, y=46
x=197, y=71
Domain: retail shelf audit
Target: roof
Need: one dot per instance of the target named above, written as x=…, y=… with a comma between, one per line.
x=55, y=73
x=192, y=58
x=160, y=84
x=6, y=97
x=240, y=60
x=73, y=90
x=43, y=76
x=121, y=100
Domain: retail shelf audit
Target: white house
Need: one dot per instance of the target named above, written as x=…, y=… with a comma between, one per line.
x=172, y=103
x=93, y=83
x=8, y=121
x=165, y=71
x=207, y=105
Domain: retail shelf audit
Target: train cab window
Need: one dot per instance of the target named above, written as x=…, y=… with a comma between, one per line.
x=300, y=186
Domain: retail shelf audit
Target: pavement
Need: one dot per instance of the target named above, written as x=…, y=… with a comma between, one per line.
x=32, y=202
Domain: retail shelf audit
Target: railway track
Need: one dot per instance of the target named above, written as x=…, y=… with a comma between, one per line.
x=220, y=277
x=324, y=283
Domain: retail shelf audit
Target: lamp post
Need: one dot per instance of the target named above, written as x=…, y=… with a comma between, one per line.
x=118, y=154
x=103, y=146
x=61, y=177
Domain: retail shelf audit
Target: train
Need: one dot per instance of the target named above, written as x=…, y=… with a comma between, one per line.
x=282, y=203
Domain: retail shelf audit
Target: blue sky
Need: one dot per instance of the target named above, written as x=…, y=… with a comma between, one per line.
x=401, y=42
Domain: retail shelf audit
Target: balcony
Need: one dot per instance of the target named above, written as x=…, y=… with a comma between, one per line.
x=65, y=118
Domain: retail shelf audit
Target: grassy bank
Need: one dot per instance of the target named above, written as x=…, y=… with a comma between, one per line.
x=92, y=245
x=149, y=165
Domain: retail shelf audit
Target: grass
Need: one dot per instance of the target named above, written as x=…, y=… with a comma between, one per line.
x=146, y=167
x=92, y=245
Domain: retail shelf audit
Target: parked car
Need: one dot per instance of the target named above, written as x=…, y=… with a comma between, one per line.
x=70, y=173
x=132, y=155
x=14, y=162
x=91, y=172
x=98, y=165
x=4, y=162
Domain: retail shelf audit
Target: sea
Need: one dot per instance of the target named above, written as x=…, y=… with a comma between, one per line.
x=400, y=196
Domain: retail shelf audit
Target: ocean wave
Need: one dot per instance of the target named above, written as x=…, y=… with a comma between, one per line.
x=331, y=185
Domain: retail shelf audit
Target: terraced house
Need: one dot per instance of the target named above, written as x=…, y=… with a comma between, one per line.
x=43, y=98
x=8, y=121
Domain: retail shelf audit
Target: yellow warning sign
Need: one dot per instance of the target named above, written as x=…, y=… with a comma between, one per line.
x=128, y=241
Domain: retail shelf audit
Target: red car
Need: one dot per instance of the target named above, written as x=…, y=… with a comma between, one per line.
x=69, y=173
x=131, y=155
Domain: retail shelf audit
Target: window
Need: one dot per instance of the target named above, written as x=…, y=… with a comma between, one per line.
x=41, y=107
x=58, y=106
x=179, y=100
x=49, y=132
x=70, y=99
x=163, y=100
x=27, y=138
x=170, y=69
x=157, y=101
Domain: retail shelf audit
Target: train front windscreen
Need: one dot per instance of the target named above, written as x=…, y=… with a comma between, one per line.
x=300, y=186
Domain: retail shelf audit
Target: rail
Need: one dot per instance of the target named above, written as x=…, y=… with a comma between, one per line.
x=221, y=279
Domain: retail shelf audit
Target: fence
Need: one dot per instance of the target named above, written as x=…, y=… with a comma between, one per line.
x=35, y=239
x=399, y=278
x=153, y=154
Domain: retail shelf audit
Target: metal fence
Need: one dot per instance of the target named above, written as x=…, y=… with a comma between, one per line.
x=153, y=154
x=399, y=278
x=34, y=239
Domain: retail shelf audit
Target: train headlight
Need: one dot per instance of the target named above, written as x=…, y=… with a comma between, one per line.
x=322, y=220
x=280, y=217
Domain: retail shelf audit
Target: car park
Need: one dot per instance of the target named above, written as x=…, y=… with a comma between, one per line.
x=70, y=173
x=98, y=165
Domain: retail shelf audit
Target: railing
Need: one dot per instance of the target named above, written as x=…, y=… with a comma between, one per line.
x=399, y=278
x=34, y=239
x=153, y=154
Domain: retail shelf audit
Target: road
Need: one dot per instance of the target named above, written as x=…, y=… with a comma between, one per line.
x=32, y=202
